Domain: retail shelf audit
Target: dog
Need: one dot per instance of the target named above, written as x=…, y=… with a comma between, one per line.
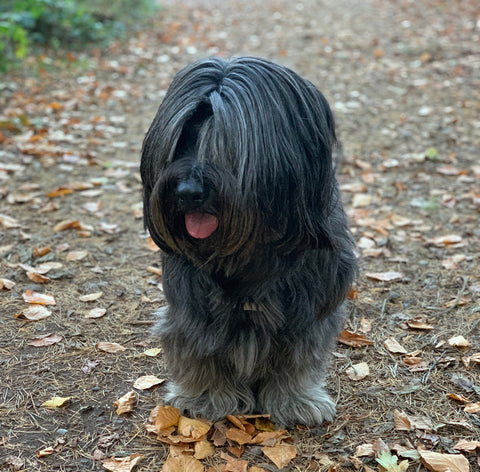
x=240, y=194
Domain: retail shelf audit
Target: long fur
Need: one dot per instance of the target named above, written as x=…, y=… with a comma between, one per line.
x=253, y=309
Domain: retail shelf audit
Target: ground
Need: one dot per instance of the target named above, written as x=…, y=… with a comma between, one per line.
x=403, y=79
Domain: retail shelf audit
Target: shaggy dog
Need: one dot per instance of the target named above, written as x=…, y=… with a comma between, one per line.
x=240, y=194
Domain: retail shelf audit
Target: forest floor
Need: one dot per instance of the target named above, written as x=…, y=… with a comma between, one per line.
x=403, y=79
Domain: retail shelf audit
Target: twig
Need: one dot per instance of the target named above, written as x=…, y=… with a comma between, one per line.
x=427, y=374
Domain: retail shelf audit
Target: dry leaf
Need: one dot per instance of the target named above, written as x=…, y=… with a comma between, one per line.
x=38, y=278
x=458, y=341
x=458, y=398
x=352, y=339
x=34, y=313
x=153, y=352
x=155, y=270
x=125, y=404
x=8, y=222
x=203, y=449
x=442, y=241
x=182, y=463
x=38, y=298
x=358, y=371
x=401, y=420
x=76, y=256
x=280, y=455
x=472, y=408
x=56, y=402
x=393, y=346
x=467, y=446
x=67, y=224
x=361, y=200
x=45, y=340
x=419, y=323
x=147, y=381
x=269, y=438
x=437, y=462
x=6, y=284
x=91, y=297
x=239, y=436
x=151, y=246
x=191, y=428
x=96, y=313
x=111, y=348
x=166, y=416
x=364, y=450
x=124, y=464
x=385, y=276
x=48, y=451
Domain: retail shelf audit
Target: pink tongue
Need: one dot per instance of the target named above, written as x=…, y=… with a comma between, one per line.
x=200, y=225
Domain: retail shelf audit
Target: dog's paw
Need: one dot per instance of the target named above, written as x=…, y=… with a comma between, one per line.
x=310, y=409
x=211, y=405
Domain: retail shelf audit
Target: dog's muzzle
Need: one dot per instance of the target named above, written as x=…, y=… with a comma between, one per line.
x=191, y=197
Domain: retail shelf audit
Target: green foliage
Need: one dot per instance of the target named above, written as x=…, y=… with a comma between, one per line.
x=66, y=24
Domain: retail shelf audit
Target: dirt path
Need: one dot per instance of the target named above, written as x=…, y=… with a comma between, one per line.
x=404, y=81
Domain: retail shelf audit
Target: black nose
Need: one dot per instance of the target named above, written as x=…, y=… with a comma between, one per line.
x=190, y=192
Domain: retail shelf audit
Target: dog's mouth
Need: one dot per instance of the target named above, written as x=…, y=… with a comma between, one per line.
x=200, y=225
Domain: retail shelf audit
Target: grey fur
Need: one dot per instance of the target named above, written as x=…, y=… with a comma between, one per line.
x=255, y=308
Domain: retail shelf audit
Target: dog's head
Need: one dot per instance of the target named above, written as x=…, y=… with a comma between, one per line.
x=239, y=158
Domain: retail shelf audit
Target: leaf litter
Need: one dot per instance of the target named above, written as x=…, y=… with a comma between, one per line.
x=72, y=165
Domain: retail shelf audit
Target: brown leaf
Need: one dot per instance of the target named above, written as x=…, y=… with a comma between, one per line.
x=151, y=246
x=458, y=398
x=269, y=438
x=182, y=463
x=235, y=465
x=401, y=420
x=393, y=346
x=442, y=241
x=364, y=450
x=34, y=313
x=45, y=340
x=76, y=256
x=166, y=417
x=38, y=278
x=6, y=284
x=155, y=270
x=96, y=313
x=358, y=371
x=125, y=404
x=385, y=276
x=191, y=428
x=66, y=224
x=91, y=297
x=280, y=455
x=147, y=381
x=111, y=348
x=437, y=462
x=354, y=340
x=472, y=408
x=38, y=298
x=239, y=436
x=124, y=464
x=8, y=222
x=467, y=446
x=203, y=449
x=459, y=341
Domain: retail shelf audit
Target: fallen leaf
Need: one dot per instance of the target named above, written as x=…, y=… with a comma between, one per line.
x=8, y=222
x=393, y=346
x=419, y=323
x=191, y=428
x=401, y=420
x=46, y=340
x=124, y=464
x=458, y=398
x=151, y=246
x=67, y=224
x=389, y=462
x=6, y=284
x=111, y=348
x=358, y=371
x=91, y=297
x=472, y=408
x=235, y=465
x=239, y=436
x=467, y=446
x=364, y=450
x=361, y=200
x=147, y=381
x=354, y=340
x=34, y=313
x=155, y=270
x=458, y=341
x=281, y=454
x=38, y=298
x=76, y=256
x=437, y=462
x=125, y=403
x=48, y=451
x=182, y=463
x=203, y=449
x=385, y=276
x=153, y=352
x=96, y=313
x=442, y=241
x=166, y=416
x=38, y=278
x=56, y=402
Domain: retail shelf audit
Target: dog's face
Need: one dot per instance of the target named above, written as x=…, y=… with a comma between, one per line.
x=238, y=159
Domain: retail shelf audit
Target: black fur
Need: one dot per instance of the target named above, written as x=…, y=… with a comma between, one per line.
x=254, y=307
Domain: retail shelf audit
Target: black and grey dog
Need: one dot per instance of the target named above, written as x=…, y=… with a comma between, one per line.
x=241, y=196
